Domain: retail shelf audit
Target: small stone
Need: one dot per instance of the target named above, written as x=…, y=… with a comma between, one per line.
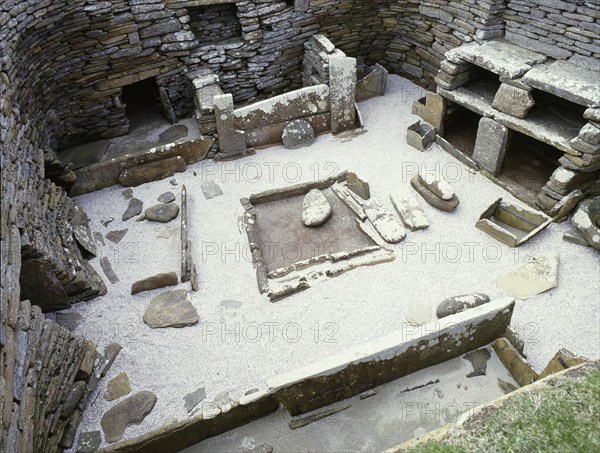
x=89, y=442
x=457, y=304
x=131, y=411
x=536, y=277
x=108, y=270
x=166, y=197
x=135, y=208
x=193, y=399
x=171, y=309
x=358, y=186
x=117, y=387
x=127, y=193
x=173, y=182
x=431, y=198
x=386, y=224
x=315, y=208
x=166, y=232
x=162, y=212
x=590, y=134
x=99, y=238
x=155, y=282
x=211, y=189
x=115, y=236
x=410, y=211
x=107, y=221
x=298, y=134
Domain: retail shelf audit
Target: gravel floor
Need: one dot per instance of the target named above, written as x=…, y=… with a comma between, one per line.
x=243, y=339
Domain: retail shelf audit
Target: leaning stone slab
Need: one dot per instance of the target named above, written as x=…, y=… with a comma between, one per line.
x=316, y=209
x=456, y=304
x=568, y=81
x=431, y=198
x=586, y=220
x=502, y=58
x=153, y=171
x=358, y=186
x=513, y=101
x=515, y=363
x=530, y=279
x=154, y=282
x=131, y=411
x=171, y=309
x=408, y=208
x=490, y=145
x=386, y=224
x=354, y=371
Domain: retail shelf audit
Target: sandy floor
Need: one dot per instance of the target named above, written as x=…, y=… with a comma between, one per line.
x=243, y=339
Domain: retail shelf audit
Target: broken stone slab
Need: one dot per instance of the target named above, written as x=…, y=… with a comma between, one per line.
x=586, y=220
x=410, y=211
x=322, y=43
x=575, y=237
x=386, y=224
x=420, y=135
x=568, y=81
x=171, y=309
x=108, y=270
x=89, y=442
x=564, y=207
x=154, y=171
x=134, y=208
x=167, y=197
x=431, y=198
x=358, y=186
x=211, y=189
x=117, y=387
x=192, y=399
x=155, y=282
x=435, y=111
x=298, y=134
x=115, y=236
x=502, y=58
x=513, y=101
x=343, y=195
x=319, y=415
x=163, y=213
x=491, y=145
x=530, y=279
x=342, y=83
x=316, y=208
x=456, y=304
x=131, y=411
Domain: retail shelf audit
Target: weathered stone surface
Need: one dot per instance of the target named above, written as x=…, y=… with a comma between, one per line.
x=386, y=224
x=192, y=399
x=171, y=309
x=479, y=359
x=211, y=189
x=420, y=135
x=154, y=282
x=40, y=285
x=127, y=193
x=316, y=209
x=502, y=58
x=408, y=208
x=456, y=304
x=530, y=279
x=231, y=140
x=117, y=387
x=108, y=270
x=298, y=134
x=134, y=208
x=373, y=84
x=586, y=220
x=564, y=207
x=590, y=133
x=131, y=411
x=342, y=76
x=164, y=212
x=153, y=171
x=431, y=198
x=358, y=186
x=116, y=236
x=173, y=133
x=490, y=145
x=73, y=398
x=567, y=81
x=89, y=442
x=513, y=101
x=575, y=237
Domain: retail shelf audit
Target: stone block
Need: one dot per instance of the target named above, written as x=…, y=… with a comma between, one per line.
x=490, y=145
x=513, y=101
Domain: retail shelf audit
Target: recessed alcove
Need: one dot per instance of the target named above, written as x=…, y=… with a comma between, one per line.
x=142, y=102
x=460, y=128
x=215, y=23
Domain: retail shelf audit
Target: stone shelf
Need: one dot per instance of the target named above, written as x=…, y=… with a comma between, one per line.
x=476, y=96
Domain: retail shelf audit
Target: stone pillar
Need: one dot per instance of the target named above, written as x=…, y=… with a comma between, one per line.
x=490, y=145
x=435, y=111
x=342, y=85
x=230, y=139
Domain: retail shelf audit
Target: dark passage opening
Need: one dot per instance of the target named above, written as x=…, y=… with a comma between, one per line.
x=529, y=163
x=460, y=128
x=142, y=102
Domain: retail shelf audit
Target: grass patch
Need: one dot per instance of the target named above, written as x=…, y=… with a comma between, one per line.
x=562, y=418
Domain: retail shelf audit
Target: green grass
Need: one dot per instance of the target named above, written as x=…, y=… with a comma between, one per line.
x=564, y=418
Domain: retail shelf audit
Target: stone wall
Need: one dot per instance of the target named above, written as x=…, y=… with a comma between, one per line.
x=565, y=30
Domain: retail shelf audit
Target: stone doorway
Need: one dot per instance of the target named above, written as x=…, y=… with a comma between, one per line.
x=144, y=104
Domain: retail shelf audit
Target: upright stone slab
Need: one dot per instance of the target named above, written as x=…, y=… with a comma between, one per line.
x=435, y=111
x=342, y=75
x=490, y=145
x=230, y=139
